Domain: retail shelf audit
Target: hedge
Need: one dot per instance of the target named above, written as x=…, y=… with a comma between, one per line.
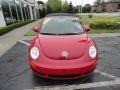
x=8, y=28
x=105, y=24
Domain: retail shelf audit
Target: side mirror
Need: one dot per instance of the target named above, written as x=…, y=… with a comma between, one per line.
x=87, y=28
x=37, y=28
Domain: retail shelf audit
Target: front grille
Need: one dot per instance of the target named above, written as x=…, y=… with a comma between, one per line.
x=41, y=74
x=64, y=76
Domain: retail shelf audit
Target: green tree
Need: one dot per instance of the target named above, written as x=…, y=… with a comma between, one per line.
x=48, y=11
x=55, y=5
x=41, y=11
x=87, y=8
x=65, y=6
x=70, y=7
x=76, y=9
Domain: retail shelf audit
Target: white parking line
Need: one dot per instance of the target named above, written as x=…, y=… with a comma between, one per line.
x=24, y=42
x=98, y=84
x=80, y=86
x=106, y=74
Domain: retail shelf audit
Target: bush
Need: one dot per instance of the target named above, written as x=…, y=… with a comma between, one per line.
x=8, y=28
x=104, y=24
x=90, y=15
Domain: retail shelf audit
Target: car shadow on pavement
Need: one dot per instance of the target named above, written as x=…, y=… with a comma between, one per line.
x=93, y=77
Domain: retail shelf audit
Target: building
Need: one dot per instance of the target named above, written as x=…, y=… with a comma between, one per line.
x=12, y=11
x=107, y=6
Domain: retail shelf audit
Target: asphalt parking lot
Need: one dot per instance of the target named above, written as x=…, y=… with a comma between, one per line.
x=16, y=75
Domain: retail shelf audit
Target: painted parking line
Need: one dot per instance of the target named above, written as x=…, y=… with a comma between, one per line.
x=81, y=86
x=106, y=74
x=99, y=84
x=115, y=81
x=24, y=42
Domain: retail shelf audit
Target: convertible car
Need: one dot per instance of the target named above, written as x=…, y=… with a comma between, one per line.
x=61, y=49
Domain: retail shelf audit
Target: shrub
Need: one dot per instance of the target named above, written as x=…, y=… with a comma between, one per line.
x=8, y=28
x=90, y=15
x=104, y=24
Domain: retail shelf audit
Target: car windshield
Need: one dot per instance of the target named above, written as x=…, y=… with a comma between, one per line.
x=61, y=25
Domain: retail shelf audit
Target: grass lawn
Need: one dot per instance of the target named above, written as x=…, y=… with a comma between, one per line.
x=86, y=20
x=30, y=33
x=97, y=31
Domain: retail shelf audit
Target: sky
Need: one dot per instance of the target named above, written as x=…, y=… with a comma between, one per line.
x=78, y=2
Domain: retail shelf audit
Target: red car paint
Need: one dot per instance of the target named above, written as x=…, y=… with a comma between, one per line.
x=50, y=63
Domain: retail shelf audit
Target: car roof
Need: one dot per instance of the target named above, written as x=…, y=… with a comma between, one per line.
x=61, y=14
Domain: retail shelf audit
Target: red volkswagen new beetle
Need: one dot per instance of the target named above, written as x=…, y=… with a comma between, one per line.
x=61, y=49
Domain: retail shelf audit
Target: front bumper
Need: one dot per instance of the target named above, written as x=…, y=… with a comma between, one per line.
x=64, y=71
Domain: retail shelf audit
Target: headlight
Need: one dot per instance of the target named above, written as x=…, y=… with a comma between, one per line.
x=92, y=51
x=34, y=52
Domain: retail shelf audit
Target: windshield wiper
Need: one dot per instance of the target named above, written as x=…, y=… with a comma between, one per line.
x=70, y=34
x=61, y=33
x=48, y=33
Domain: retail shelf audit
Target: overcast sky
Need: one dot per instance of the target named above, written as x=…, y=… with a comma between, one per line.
x=78, y=2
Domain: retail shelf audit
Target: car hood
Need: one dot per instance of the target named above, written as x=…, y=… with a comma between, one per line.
x=55, y=47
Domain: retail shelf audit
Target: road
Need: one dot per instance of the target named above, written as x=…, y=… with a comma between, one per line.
x=15, y=73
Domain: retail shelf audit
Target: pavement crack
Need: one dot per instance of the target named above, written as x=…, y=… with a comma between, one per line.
x=20, y=73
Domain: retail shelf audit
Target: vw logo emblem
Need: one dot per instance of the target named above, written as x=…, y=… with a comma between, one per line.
x=64, y=54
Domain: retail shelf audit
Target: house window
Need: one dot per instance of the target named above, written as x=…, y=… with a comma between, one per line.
x=118, y=6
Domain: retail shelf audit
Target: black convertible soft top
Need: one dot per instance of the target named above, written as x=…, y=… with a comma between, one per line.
x=61, y=14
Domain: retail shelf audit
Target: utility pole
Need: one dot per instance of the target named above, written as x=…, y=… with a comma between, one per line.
x=74, y=6
x=75, y=3
x=81, y=6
